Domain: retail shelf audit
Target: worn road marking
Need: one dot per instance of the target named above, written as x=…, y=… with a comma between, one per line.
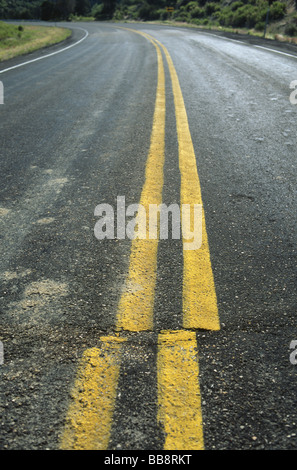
x=200, y=309
x=135, y=310
x=178, y=391
x=178, y=372
x=89, y=417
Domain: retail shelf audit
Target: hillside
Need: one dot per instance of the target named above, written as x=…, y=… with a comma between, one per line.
x=235, y=14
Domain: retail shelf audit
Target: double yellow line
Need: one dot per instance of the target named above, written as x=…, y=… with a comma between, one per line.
x=89, y=418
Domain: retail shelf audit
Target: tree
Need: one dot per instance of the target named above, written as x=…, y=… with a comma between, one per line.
x=47, y=10
x=3, y=8
x=65, y=8
x=109, y=7
x=82, y=7
x=107, y=10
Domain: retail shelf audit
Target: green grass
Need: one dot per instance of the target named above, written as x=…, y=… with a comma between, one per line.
x=18, y=40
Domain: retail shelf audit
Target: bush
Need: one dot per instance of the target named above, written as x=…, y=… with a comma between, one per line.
x=224, y=16
x=210, y=8
x=131, y=11
x=148, y=12
x=191, y=6
x=181, y=19
x=163, y=14
x=260, y=26
x=241, y=13
x=105, y=11
x=182, y=15
x=235, y=5
x=291, y=30
x=277, y=11
x=240, y=19
x=247, y=16
x=198, y=12
x=97, y=10
x=118, y=15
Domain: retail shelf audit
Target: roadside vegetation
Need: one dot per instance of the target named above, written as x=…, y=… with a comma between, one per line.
x=239, y=15
x=21, y=39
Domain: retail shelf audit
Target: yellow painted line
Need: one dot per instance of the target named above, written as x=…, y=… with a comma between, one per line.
x=178, y=391
x=200, y=308
x=179, y=397
x=89, y=418
x=90, y=413
x=135, y=309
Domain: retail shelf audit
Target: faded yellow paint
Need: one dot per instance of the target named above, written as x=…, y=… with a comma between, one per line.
x=178, y=391
x=200, y=308
x=135, y=310
x=90, y=414
x=89, y=418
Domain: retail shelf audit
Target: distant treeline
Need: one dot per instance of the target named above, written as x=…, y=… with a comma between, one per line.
x=49, y=9
x=236, y=13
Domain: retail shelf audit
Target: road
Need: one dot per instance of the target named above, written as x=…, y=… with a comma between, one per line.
x=127, y=344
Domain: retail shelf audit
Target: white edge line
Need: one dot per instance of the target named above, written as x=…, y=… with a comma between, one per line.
x=277, y=52
x=48, y=55
x=236, y=41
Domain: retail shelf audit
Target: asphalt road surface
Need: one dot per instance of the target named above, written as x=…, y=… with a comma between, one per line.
x=142, y=344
